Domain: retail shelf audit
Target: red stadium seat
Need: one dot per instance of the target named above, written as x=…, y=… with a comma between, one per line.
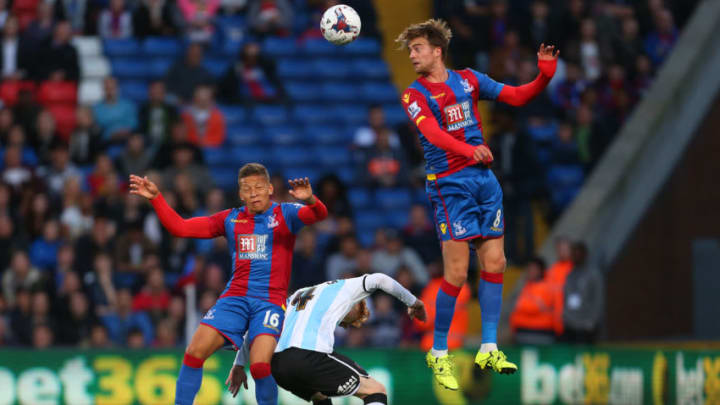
x=64, y=115
x=25, y=11
x=10, y=89
x=54, y=93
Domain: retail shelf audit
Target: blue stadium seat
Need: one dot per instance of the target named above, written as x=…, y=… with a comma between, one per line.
x=319, y=47
x=394, y=114
x=352, y=115
x=368, y=221
x=360, y=197
x=543, y=133
x=224, y=177
x=379, y=92
x=363, y=46
x=216, y=67
x=217, y=156
x=370, y=69
x=282, y=135
x=232, y=31
x=275, y=47
x=130, y=68
x=388, y=199
x=397, y=218
x=338, y=91
x=161, y=46
x=270, y=114
x=312, y=114
x=158, y=67
x=347, y=174
x=292, y=68
x=245, y=135
x=246, y=154
x=332, y=156
x=233, y=114
x=121, y=47
x=136, y=91
x=303, y=91
x=325, y=135
x=292, y=156
x=564, y=182
x=331, y=69
x=301, y=172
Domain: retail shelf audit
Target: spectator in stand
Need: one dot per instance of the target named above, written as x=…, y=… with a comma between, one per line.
x=306, y=261
x=4, y=12
x=332, y=192
x=116, y=116
x=178, y=139
x=166, y=335
x=366, y=137
x=123, y=320
x=157, y=116
x=14, y=58
x=99, y=338
x=14, y=173
x=21, y=274
x=394, y=254
x=135, y=339
x=131, y=247
x=43, y=336
x=204, y=121
x=58, y=59
x=251, y=79
x=20, y=318
x=386, y=330
x=154, y=297
x=99, y=240
x=270, y=17
x=101, y=180
x=40, y=310
x=419, y=234
x=176, y=315
x=59, y=170
x=7, y=241
x=383, y=164
x=16, y=137
x=136, y=158
x=76, y=12
x=592, y=50
x=557, y=273
x=44, y=250
x=533, y=320
x=199, y=15
x=186, y=74
x=592, y=136
x=115, y=21
x=343, y=262
x=26, y=112
x=99, y=284
x=584, y=299
x=628, y=46
x=86, y=139
x=184, y=165
x=155, y=18
x=661, y=40
x=642, y=75
x=566, y=94
x=65, y=267
x=35, y=213
x=6, y=122
x=77, y=324
x=564, y=146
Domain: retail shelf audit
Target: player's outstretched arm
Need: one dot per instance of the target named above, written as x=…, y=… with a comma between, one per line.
x=380, y=281
x=521, y=95
x=315, y=210
x=198, y=227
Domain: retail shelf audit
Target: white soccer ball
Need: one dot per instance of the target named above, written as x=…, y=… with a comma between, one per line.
x=340, y=24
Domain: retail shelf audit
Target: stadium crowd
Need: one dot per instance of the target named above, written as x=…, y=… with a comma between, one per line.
x=84, y=263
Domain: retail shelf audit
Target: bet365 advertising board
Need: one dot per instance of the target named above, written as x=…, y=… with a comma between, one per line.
x=549, y=375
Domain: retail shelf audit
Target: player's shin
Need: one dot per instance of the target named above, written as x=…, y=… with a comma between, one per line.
x=490, y=297
x=444, y=310
x=375, y=399
x=266, y=390
x=189, y=380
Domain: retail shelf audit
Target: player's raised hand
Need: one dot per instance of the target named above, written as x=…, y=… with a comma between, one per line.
x=482, y=154
x=236, y=378
x=143, y=187
x=547, y=52
x=302, y=190
x=417, y=311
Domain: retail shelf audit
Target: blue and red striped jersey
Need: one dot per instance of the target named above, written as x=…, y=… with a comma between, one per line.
x=453, y=104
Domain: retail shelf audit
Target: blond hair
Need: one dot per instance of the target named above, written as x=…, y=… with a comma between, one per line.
x=436, y=31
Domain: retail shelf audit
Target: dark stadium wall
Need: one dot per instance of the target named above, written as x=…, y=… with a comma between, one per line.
x=650, y=286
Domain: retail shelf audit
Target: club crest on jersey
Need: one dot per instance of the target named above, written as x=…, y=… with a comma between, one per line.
x=272, y=222
x=467, y=86
x=413, y=109
x=458, y=116
x=459, y=229
x=252, y=247
x=210, y=314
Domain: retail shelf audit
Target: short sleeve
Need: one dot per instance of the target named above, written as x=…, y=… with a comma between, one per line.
x=292, y=218
x=217, y=223
x=488, y=89
x=415, y=105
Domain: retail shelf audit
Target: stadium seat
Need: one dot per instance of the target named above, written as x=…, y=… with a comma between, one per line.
x=292, y=156
x=216, y=67
x=121, y=47
x=301, y=172
x=246, y=154
x=325, y=135
x=331, y=156
x=232, y=30
x=136, y=91
x=233, y=114
x=64, y=115
x=158, y=67
x=394, y=114
x=244, y=135
x=217, y=156
x=90, y=91
x=397, y=218
x=10, y=89
x=94, y=67
x=564, y=182
x=275, y=47
x=360, y=198
x=291, y=68
x=161, y=46
x=303, y=91
x=319, y=47
x=543, y=133
x=370, y=69
x=379, y=92
x=331, y=69
x=130, y=68
x=369, y=220
x=388, y=199
x=270, y=114
x=88, y=46
x=282, y=135
x=352, y=115
x=57, y=93
x=312, y=114
x=363, y=46
x=338, y=91
x=347, y=174
x=224, y=177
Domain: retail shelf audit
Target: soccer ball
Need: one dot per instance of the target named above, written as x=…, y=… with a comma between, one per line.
x=340, y=24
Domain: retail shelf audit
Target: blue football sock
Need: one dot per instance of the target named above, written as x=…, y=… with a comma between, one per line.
x=444, y=310
x=189, y=380
x=490, y=297
x=266, y=390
